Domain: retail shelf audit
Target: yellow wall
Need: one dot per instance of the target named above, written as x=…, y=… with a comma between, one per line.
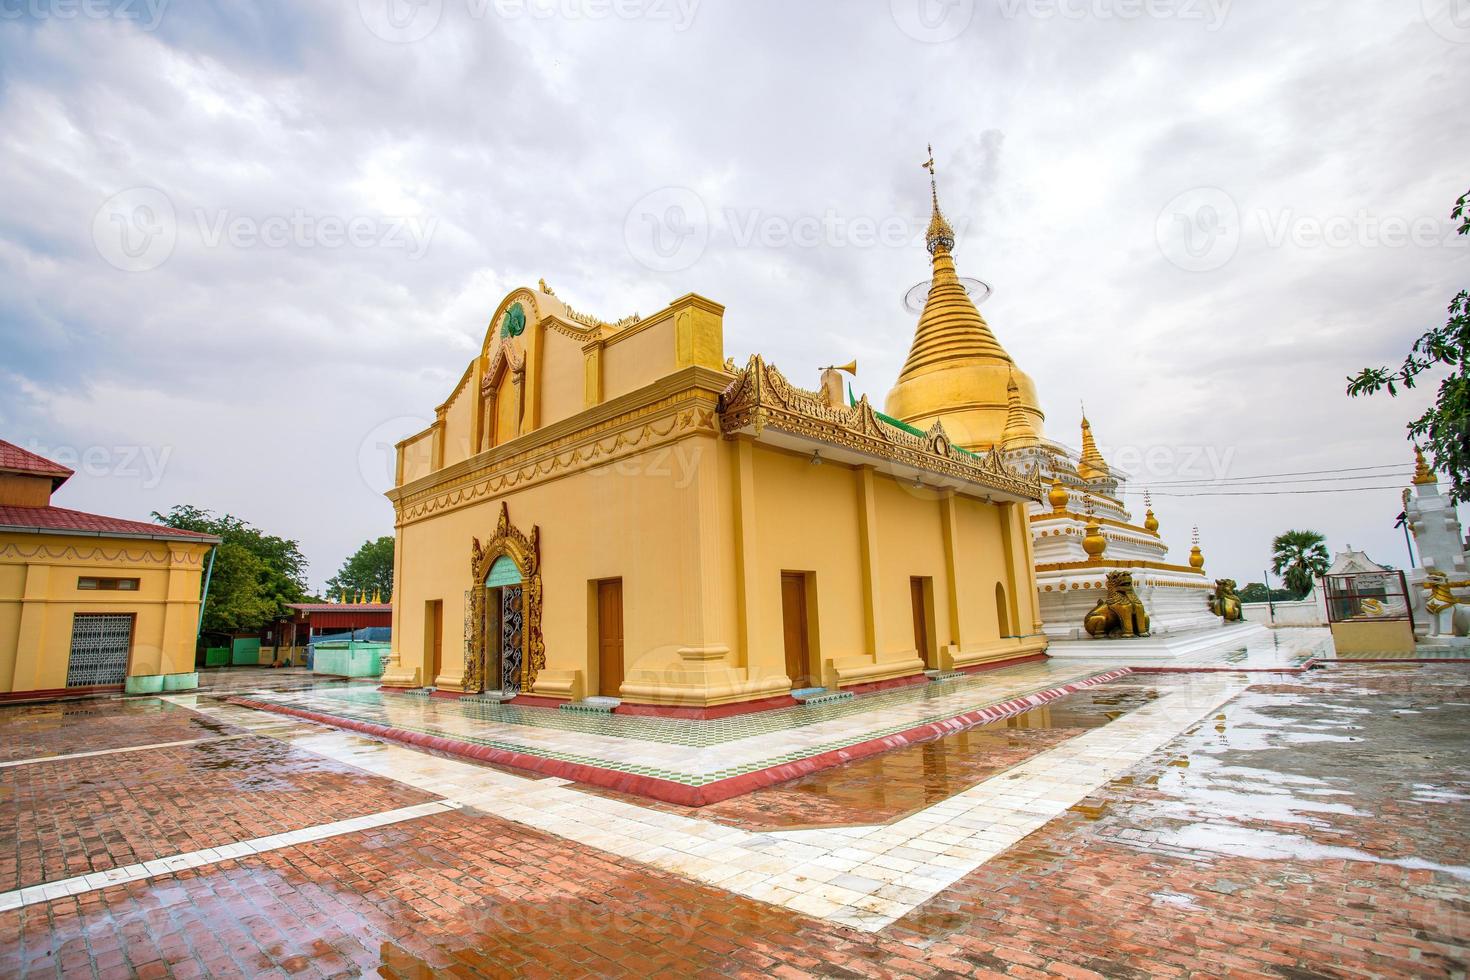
x=641, y=357
x=39, y=597
x=561, y=390
x=459, y=421
x=642, y=485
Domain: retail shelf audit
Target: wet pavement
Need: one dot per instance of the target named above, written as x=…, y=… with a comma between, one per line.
x=894, y=784
x=1287, y=825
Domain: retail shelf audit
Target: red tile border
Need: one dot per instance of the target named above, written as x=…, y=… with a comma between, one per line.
x=693, y=796
x=61, y=693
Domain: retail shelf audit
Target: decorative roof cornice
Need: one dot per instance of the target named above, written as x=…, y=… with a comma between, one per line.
x=761, y=398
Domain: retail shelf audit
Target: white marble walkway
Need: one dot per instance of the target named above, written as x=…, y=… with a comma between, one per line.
x=863, y=877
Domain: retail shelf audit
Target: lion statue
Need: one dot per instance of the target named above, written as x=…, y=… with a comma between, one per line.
x=1225, y=603
x=1120, y=612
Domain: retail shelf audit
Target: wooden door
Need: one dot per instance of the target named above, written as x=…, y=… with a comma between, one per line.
x=610, y=637
x=921, y=620
x=433, y=640
x=794, y=629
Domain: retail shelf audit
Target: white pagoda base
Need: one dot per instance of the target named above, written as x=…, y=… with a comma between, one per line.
x=1159, y=646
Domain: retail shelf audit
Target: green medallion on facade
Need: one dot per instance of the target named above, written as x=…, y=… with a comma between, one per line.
x=514, y=323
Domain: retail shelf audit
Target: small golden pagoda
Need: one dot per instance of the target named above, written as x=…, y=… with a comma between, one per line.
x=956, y=369
x=958, y=374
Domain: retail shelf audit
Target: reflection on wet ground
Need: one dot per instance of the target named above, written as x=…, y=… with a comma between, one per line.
x=887, y=787
x=1342, y=765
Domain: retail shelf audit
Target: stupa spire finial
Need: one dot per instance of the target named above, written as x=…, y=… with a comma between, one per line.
x=940, y=234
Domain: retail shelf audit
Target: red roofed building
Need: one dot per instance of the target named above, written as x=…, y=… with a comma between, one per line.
x=90, y=604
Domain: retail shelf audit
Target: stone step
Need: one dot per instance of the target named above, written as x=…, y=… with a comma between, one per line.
x=488, y=697
x=597, y=705
x=819, y=695
x=943, y=675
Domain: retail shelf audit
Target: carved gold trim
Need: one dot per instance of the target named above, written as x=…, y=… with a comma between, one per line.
x=693, y=413
x=525, y=551
x=760, y=396
x=1066, y=566
x=121, y=556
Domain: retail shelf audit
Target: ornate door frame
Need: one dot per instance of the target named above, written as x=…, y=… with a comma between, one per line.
x=525, y=552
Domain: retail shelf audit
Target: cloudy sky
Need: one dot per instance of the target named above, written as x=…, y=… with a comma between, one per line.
x=248, y=245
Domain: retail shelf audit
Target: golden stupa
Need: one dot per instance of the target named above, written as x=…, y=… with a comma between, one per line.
x=957, y=372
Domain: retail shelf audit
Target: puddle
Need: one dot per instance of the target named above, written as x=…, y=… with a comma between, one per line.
x=889, y=786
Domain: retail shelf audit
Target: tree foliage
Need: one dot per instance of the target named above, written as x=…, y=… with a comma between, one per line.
x=1300, y=558
x=1256, y=592
x=255, y=574
x=1444, y=429
x=369, y=570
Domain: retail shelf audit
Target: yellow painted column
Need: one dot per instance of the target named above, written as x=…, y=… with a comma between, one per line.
x=961, y=620
x=1031, y=593
x=1010, y=536
x=592, y=370
x=396, y=674
x=30, y=644
x=868, y=548
x=747, y=598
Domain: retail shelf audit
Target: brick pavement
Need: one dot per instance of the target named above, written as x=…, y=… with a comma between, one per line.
x=75, y=816
x=1315, y=827
x=65, y=727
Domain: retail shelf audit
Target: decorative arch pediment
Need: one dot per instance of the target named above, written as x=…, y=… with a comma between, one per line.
x=532, y=307
x=525, y=552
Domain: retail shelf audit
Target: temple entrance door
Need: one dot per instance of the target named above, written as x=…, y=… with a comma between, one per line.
x=917, y=589
x=433, y=640
x=794, y=629
x=503, y=627
x=610, y=637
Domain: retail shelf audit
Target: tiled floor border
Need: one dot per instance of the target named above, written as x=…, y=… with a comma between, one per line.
x=683, y=794
x=77, y=885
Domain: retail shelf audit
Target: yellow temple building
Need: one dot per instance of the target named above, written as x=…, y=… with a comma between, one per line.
x=616, y=509
x=90, y=604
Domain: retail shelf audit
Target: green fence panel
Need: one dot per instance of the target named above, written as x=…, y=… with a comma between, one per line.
x=216, y=656
x=350, y=660
x=245, y=650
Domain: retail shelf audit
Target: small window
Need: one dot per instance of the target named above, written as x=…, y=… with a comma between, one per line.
x=107, y=584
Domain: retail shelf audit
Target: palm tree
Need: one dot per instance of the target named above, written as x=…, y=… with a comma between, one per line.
x=1299, y=557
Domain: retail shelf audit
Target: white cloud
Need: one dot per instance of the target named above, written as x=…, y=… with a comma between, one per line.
x=526, y=140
